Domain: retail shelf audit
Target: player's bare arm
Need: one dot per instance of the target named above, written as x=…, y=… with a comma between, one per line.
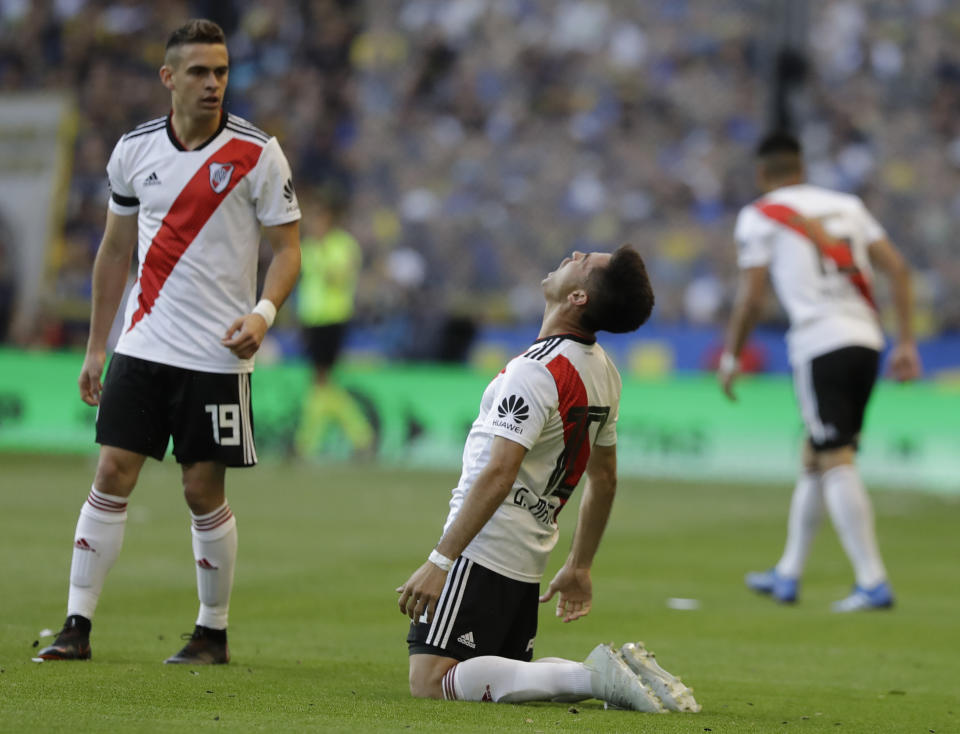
x=904, y=360
x=110, y=270
x=422, y=590
x=246, y=333
x=751, y=290
x=572, y=583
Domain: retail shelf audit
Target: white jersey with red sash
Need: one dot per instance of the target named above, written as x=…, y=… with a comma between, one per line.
x=558, y=399
x=815, y=242
x=199, y=218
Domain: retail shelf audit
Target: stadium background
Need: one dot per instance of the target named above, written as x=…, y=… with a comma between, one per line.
x=478, y=142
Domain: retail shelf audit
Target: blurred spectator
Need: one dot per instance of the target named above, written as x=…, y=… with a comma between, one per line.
x=491, y=137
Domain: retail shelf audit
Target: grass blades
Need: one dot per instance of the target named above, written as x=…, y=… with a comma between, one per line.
x=318, y=643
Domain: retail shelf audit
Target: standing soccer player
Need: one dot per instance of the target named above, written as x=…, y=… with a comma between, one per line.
x=819, y=247
x=548, y=418
x=193, y=189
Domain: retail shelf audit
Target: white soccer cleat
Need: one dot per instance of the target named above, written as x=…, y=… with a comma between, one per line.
x=612, y=681
x=668, y=687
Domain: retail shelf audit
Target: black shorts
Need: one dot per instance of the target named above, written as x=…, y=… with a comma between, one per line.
x=209, y=415
x=479, y=613
x=833, y=390
x=323, y=343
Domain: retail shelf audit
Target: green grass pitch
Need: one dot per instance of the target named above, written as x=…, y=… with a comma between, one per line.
x=318, y=643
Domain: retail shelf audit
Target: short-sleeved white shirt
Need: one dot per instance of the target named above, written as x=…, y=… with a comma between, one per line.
x=199, y=217
x=814, y=241
x=558, y=399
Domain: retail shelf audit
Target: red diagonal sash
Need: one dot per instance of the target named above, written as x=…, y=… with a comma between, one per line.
x=576, y=436
x=188, y=214
x=828, y=247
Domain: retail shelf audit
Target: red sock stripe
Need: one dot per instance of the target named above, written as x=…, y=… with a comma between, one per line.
x=214, y=521
x=99, y=502
x=449, y=692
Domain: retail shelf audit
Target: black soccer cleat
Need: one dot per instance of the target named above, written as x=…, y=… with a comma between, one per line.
x=72, y=643
x=205, y=647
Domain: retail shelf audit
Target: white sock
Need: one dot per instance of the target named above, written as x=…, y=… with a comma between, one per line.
x=852, y=516
x=96, y=545
x=491, y=678
x=215, y=551
x=806, y=509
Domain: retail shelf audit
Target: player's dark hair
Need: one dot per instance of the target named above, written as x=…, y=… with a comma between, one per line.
x=779, y=155
x=620, y=297
x=778, y=142
x=197, y=30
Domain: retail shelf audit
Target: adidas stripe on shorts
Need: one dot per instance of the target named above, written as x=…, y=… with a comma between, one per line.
x=209, y=415
x=480, y=612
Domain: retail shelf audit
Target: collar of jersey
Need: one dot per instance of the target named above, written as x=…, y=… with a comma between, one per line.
x=176, y=141
x=571, y=337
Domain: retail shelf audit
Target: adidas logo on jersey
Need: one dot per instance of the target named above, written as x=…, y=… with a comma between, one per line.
x=288, y=192
x=467, y=639
x=152, y=180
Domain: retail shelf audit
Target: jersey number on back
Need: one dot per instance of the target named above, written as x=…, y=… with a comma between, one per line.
x=576, y=450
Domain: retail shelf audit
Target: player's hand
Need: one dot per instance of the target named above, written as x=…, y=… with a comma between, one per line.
x=89, y=380
x=574, y=590
x=727, y=373
x=245, y=335
x=421, y=592
x=905, y=362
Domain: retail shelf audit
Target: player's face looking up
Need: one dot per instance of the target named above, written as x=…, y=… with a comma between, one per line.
x=196, y=75
x=573, y=272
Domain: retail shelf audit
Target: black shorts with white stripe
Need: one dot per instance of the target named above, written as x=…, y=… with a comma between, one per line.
x=833, y=390
x=479, y=612
x=209, y=415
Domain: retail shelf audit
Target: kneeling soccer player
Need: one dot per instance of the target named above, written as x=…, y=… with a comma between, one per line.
x=549, y=417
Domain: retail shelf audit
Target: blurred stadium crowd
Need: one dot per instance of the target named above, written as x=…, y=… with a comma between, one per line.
x=480, y=141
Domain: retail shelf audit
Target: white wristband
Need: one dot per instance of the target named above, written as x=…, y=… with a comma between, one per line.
x=728, y=363
x=439, y=560
x=266, y=309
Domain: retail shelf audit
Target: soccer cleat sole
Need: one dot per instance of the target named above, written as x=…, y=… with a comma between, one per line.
x=669, y=688
x=196, y=660
x=59, y=653
x=621, y=688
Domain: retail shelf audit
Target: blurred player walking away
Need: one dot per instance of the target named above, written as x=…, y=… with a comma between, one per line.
x=325, y=304
x=194, y=189
x=819, y=247
x=546, y=420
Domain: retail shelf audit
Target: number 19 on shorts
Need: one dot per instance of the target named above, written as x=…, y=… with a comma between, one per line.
x=225, y=418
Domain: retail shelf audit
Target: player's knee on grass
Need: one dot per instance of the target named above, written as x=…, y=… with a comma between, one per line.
x=426, y=675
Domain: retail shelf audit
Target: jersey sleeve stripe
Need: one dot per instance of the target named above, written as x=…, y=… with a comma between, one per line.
x=189, y=212
x=146, y=131
x=250, y=133
x=155, y=121
x=239, y=121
